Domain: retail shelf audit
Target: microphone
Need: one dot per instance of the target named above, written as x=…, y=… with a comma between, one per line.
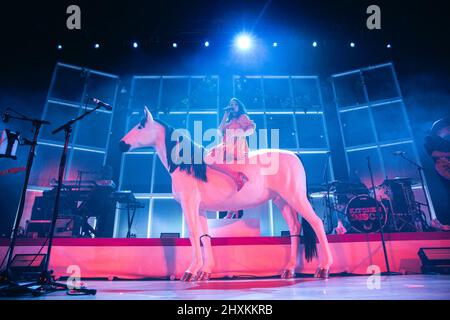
x=102, y=104
x=398, y=153
x=228, y=108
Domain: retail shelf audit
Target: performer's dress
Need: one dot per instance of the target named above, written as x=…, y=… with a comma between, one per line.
x=232, y=147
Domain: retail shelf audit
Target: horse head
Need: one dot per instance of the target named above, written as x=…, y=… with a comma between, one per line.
x=144, y=134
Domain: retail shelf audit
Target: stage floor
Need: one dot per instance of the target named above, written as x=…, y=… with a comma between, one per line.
x=414, y=287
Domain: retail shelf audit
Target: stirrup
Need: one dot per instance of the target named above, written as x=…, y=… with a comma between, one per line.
x=205, y=235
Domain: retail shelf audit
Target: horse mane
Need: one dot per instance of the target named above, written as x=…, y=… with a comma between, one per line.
x=198, y=170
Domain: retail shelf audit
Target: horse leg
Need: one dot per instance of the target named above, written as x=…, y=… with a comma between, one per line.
x=205, y=239
x=190, y=208
x=300, y=203
x=294, y=228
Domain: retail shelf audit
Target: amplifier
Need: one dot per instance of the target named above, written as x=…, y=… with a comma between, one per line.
x=43, y=206
x=66, y=227
x=169, y=235
x=435, y=260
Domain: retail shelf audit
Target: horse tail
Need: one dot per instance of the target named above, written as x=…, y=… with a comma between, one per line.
x=309, y=240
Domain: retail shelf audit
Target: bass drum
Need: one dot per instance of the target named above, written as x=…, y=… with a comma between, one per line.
x=361, y=212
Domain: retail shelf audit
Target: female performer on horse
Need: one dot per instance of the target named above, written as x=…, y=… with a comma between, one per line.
x=234, y=127
x=199, y=190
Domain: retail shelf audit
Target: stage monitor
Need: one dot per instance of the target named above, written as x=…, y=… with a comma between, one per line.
x=435, y=260
x=27, y=266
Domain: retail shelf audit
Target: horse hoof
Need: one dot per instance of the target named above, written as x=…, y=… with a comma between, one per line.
x=322, y=273
x=188, y=277
x=288, y=274
x=203, y=276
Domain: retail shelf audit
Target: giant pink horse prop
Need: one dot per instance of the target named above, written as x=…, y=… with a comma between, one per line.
x=198, y=189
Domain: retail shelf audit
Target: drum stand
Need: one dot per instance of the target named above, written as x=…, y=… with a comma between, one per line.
x=388, y=269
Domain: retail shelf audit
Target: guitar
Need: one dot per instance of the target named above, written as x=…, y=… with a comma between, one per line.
x=12, y=171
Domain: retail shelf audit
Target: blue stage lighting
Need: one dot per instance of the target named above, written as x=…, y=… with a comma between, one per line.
x=314, y=44
x=352, y=44
x=275, y=44
x=96, y=46
x=243, y=41
x=388, y=46
x=206, y=43
x=59, y=47
x=135, y=45
x=174, y=45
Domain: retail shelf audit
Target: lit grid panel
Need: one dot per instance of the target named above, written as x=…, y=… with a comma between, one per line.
x=374, y=123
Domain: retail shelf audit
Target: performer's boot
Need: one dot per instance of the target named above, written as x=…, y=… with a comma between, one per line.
x=435, y=223
x=240, y=180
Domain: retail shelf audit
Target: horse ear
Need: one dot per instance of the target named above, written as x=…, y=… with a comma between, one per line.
x=147, y=113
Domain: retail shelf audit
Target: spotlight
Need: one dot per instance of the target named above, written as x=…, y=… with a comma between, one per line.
x=314, y=44
x=206, y=43
x=388, y=46
x=352, y=44
x=59, y=47
x=243, y=41
x=275, y=44
x=174, y=45
x=135, y=45
x=96, y=46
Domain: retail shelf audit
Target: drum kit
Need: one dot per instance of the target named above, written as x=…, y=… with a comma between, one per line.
x=352, y=207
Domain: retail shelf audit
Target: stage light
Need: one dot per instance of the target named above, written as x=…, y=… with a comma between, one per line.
x=275, y=44
x=314, y=44
x=206, y=43
x=59, y=47
x=135, y=45
x=96, y=46
x=388, y=46
x=352, y=44
x=243, y=41
x=174, y=45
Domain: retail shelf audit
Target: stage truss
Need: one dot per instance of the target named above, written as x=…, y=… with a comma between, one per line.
x=374, y=123
x=69, y=90
x=371, y=113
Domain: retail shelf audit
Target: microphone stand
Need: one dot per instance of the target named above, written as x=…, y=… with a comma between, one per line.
x=6, y=277
x=388, y=272
x=422, y=182
x=327, y=201
x=46, y=284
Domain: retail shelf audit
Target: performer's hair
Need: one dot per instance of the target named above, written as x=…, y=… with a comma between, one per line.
x=241, y=109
